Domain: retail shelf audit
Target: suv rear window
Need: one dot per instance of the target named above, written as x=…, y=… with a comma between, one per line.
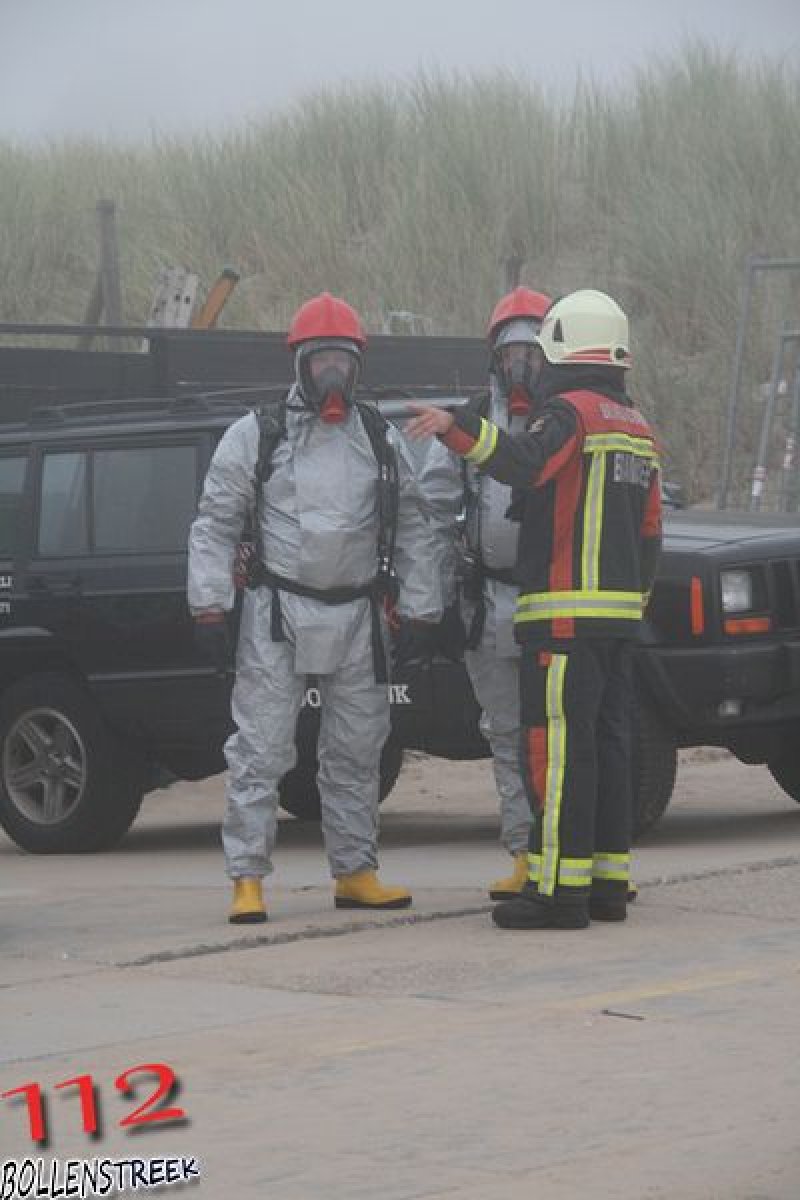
x=12, y=482
x=143, y=501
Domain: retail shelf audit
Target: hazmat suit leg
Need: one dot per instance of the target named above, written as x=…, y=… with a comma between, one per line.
x=354, y=724
x=496, y=684
x=267, y=697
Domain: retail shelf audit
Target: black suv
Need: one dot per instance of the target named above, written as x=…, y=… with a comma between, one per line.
x=720, y=663
x=103, y=695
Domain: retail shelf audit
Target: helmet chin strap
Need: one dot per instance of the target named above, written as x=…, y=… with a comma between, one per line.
x=334, y=409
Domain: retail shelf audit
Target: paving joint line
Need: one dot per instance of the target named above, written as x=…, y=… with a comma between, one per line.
x=300, y=935
x=312, y=933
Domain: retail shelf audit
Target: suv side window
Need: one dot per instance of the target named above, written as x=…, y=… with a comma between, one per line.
x=12, y=483
x=63, y=524
x=144, y=499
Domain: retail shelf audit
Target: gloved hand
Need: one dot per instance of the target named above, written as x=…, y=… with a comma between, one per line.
x=451, y=636
x=413, y=644
x=213, y=640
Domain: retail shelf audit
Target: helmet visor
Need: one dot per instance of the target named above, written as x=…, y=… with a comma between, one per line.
x=516, y=355
x=330, y=360
x=523, y=329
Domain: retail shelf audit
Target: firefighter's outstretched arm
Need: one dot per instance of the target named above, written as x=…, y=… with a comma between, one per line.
x=224, y=505
x=523, y=460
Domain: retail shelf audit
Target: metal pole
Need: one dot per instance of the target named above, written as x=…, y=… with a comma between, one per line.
x=512, y=268
x=733, y=403
x=753, y=263
x=109, y=266
x=760, y=468
x=791, y=468
x=94, y=309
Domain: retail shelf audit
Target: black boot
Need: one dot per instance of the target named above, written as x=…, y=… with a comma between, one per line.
x=529, y=910
x=609, y=900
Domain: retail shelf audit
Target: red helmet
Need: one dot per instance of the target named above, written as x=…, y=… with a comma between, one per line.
x=522, y=302
x=326, y=317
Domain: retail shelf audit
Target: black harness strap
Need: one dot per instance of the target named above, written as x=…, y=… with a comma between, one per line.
x=271, y=431
x=478, y=622
x=376, y=428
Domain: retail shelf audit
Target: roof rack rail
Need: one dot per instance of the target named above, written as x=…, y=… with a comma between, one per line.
x=239, y=389
x=217, y=400
x=186, y=404
x=132, y=332
x=50, y=414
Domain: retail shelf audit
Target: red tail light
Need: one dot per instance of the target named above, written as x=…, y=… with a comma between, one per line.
x=697, y=606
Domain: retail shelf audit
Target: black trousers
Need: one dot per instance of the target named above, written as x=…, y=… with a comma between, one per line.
x=576, y=705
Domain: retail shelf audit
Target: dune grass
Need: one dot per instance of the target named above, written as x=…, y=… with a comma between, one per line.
x=412, y=196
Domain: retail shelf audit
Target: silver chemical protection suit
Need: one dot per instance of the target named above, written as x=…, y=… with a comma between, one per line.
x=494, y=665
x=319, y=525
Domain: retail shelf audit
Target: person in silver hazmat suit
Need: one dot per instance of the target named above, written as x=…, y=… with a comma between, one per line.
x=487, y=594
x=318, y=610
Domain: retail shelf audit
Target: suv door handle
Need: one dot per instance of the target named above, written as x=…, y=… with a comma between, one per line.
x=57, y=585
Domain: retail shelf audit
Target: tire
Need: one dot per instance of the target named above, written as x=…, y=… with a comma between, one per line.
x=654, y=762
x=785, y=770
x=299, y=793
x=56, y=752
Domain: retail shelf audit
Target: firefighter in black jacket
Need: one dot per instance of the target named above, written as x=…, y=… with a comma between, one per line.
x=587, y=493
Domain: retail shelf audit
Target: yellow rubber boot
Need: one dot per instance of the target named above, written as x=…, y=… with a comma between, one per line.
x=248, y=902
x=363, y=889
x=512, y=885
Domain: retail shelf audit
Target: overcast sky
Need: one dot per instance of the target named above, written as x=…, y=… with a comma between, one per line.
x=123, y=68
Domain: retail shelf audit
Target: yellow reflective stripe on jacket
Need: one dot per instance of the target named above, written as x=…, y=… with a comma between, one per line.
x=554, y=779
x=589, y=602
x=575, y=872
x=611, y=866
x=593, y=521
x=534, y=867
x=609, y=442
x=486, y=444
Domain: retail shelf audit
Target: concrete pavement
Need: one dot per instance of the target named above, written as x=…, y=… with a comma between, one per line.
x=321, y=1056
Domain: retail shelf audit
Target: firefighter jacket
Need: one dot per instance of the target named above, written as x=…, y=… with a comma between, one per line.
x=586, y=486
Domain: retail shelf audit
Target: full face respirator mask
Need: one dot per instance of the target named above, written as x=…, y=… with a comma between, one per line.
x=515, y=363
x=327, y=372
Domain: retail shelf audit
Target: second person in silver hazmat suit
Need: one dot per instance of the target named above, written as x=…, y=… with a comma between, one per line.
x=488, y=593
x=316, y=612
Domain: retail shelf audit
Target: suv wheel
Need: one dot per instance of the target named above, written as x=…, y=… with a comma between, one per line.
x=299, y=793
x=66, y=783
x=654, y=763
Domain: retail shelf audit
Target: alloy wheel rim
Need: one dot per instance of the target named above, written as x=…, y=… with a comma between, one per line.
x=45, y=766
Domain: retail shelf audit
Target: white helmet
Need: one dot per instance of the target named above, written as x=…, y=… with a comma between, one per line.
x=585, y=328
